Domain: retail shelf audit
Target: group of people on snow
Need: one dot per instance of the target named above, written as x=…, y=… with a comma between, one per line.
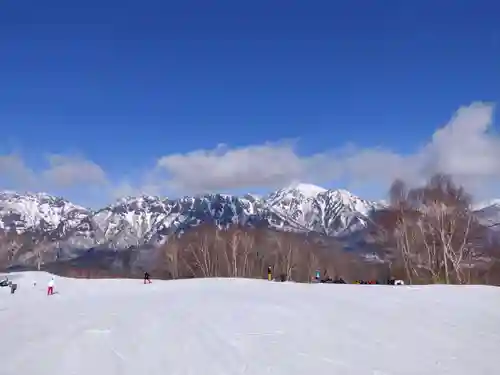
x=328, y=280
x=51, y=283
x=14, y=286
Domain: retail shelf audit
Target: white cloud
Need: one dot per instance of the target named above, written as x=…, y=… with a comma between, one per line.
x=15, y=171
x=465, y=147
x=60, y=172
x=268, y=165
x=67, y=171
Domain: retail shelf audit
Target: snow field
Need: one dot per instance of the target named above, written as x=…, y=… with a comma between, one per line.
x=239, y=326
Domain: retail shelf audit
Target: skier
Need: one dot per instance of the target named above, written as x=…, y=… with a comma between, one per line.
x=146, y=278
x=50, y=286
x=269, y=273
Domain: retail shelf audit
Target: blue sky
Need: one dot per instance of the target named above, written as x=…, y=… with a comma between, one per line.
x=103, y=98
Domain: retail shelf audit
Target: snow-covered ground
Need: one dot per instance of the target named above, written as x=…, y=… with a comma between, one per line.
x=236, y=326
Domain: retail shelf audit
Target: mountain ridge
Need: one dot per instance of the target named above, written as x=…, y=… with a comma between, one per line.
x=295, y=203
x=147, y=221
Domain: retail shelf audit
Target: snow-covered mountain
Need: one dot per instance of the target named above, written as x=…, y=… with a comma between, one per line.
x=148, y=220
x=21, y=212
x=311, y=208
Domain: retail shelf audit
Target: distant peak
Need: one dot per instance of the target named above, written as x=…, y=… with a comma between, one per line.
x=307, y=189
x=345, y=194
x=29, y=194
x=137, y=198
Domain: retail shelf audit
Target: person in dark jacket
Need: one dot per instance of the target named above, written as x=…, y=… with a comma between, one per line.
x=146, y=278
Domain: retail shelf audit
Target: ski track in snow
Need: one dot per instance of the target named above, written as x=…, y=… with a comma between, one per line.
x=219, y=327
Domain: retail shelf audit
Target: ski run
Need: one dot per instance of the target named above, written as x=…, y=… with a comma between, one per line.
x=240, y=326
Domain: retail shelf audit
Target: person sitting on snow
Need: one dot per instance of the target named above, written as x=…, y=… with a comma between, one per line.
x=4, y=282
x=339, y=280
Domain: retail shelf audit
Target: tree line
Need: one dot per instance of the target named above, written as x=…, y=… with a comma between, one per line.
x=207, y=251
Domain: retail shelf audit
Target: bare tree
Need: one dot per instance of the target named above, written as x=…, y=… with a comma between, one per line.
x=431, y=229
x=251, y=264
x=171, y=254
x=310, y=260
x=10, y=246
x=203, y=253
x=232, y=252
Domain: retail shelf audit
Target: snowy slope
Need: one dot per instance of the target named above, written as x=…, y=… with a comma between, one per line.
x=215, y=327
